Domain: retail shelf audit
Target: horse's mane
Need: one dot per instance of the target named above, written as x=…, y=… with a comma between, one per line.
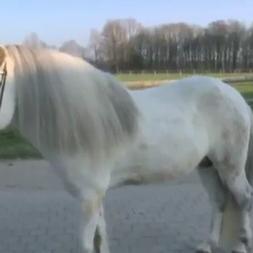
x=67, y=106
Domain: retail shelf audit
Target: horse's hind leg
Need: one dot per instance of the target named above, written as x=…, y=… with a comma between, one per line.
x=231, y=168
x=217, y=194
x=242, y=192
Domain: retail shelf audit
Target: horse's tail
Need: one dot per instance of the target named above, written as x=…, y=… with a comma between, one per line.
x=249, y=163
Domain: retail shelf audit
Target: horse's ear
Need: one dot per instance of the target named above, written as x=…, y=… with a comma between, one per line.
x=2, y=55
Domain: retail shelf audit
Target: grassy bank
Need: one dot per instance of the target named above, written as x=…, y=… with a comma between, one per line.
x=13, y=146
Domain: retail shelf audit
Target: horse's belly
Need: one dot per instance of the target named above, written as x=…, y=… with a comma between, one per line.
x=152, y=169
x=163, y=158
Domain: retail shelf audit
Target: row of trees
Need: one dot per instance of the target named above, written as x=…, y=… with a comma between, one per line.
x=71, y=46
x=126, y=45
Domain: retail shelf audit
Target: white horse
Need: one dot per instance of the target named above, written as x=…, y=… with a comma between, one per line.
x=98, y=135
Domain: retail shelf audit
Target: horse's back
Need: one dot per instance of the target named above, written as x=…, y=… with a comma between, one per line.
x=201, y=112
x=199, y=95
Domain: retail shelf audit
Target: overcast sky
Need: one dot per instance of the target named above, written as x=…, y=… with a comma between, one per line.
x=56, y=21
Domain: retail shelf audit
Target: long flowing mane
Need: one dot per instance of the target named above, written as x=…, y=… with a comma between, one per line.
x=65, y=105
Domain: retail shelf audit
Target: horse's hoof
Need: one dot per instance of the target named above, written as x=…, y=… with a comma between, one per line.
x=240, y=248
x=204, y=247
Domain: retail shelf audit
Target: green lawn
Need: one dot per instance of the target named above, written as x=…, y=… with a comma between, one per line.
x=128, y=77
x=13, y=146
x=246, y=89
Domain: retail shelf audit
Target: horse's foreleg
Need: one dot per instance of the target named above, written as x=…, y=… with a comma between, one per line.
x=100, y=238
x=89, y=190
x=217, y=195
x=92, y=225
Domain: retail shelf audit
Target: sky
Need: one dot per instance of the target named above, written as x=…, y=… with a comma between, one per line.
x=56, y=21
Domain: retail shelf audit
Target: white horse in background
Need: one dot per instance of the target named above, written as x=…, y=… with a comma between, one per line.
x=98, y=135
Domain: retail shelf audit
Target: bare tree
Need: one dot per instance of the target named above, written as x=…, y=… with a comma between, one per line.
x=73, y=48
x=95, y=46
x=114, y=37
x=126, y=45
x=33, y=40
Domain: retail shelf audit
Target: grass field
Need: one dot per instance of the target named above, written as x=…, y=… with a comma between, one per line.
x=246, y=89
x=128, y=77
x=13, y=146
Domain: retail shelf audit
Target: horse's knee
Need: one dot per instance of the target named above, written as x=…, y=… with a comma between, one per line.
x=91, y=202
